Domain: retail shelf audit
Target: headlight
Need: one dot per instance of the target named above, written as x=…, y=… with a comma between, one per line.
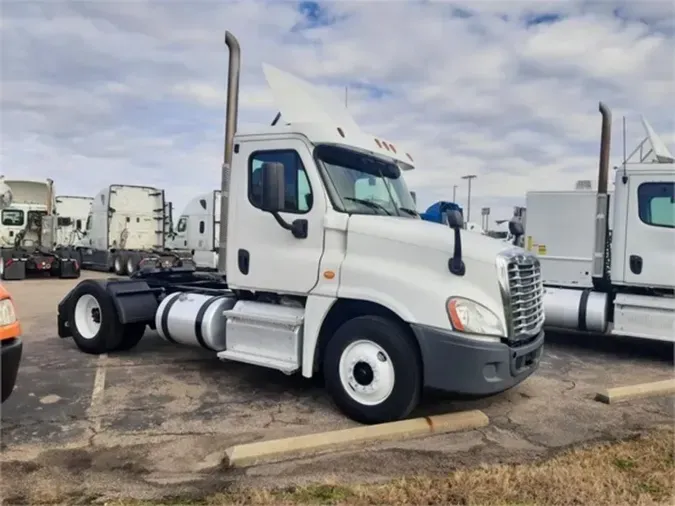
x=7, y=314
x=470, y=317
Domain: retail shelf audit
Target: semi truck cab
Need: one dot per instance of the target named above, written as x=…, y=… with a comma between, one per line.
x=643, y=235
x=326, y=268
x=607, y=255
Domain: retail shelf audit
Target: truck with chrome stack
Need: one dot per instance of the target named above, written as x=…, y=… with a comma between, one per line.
x=324, y=268
x=607, y=254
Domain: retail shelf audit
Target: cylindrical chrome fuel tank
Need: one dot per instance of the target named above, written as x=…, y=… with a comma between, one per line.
x=194, y=319
x=583, y=309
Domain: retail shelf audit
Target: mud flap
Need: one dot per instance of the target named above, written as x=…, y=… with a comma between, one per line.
x=14, y=269
x=69, y=269
x=134, y=301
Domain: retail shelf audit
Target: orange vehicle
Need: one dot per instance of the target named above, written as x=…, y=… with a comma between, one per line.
x=10, y=343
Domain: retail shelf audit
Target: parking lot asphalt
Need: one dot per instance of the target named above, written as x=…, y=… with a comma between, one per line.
x=156, y=420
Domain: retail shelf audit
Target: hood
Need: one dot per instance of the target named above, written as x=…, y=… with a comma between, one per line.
x=427, y=234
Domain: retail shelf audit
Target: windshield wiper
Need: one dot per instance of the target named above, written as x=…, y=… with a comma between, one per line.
x=411, y=212
x=369, y=203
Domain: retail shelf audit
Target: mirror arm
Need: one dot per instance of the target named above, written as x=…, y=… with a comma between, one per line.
x=282, y=223
x=298, y=228
x=456, y=264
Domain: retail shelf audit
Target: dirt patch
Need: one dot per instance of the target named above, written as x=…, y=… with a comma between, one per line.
x=638, y=471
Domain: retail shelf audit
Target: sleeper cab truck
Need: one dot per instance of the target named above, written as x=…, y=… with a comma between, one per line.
x=126, y=230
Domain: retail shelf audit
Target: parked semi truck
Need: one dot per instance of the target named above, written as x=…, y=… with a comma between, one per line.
x=198, y=230
x=126, y=230
x=607, y=256
x=319, y=274
x=28, y=232
x=71, y=212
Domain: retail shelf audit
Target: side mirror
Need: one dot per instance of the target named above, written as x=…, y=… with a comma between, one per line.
x=273, y=196
x=455, y=219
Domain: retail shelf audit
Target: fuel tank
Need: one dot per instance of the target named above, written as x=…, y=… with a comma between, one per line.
x=583, y=309
x=194, y=319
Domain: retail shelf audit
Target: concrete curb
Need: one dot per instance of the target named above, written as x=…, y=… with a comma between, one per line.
x=613, y=395
x=262, y=451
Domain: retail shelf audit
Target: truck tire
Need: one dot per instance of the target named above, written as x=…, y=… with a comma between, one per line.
x=92, y=319
x=132, y=335
x=131, y=266
x=119, y=266
x=372, y=370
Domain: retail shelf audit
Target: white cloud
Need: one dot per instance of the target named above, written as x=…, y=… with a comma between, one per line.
x=133, y=92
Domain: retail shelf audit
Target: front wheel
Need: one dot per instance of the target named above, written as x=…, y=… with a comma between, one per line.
x=372, y=370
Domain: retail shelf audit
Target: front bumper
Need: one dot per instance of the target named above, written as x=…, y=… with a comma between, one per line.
x=455, y=364
x=10, y=350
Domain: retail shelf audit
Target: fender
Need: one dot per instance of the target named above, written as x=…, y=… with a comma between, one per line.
x=135, y=302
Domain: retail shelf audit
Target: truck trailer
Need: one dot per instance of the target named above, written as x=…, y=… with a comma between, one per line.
x=28, y=232
x=319, y=275
x=198, y=230
x=607, y=256
x=126, y=230
x=71, y=212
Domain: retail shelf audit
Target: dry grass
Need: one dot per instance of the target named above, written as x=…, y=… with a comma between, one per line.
x=636, y=472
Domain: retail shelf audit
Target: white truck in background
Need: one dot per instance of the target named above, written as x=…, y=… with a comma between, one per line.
x=126, y=230
x=318, y=276
x=198, y=230
x=607, y=257
x=71, y=217
x=28, y=233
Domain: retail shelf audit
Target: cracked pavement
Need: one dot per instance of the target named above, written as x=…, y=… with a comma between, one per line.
x=156, y=421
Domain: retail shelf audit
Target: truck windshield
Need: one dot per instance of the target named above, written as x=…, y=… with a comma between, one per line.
x=362, y=183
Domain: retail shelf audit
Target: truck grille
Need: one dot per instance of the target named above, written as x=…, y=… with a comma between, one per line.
x=523, y=294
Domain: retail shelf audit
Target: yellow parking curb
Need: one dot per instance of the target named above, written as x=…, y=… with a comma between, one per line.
x=612, y=395
x=255, y=453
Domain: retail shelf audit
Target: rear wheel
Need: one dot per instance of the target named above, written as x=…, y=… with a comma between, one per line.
x=132, y=335
x=133, y=260
x=372, y=370
x=93, y=319
x=118, y=264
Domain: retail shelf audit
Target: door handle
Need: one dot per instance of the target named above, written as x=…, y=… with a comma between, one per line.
x=243, y=258
x=635, y=263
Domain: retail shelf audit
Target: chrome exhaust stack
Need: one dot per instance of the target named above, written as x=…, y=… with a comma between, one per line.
x=600, y=265
x=231, y=115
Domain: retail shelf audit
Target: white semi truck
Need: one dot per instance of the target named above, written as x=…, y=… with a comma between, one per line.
x=198, y=231
x=608, y=257
x=126, y=230
x=72, y=212
x=28, y=232
x=315, y=277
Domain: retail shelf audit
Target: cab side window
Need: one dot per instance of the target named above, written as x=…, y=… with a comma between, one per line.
x=12, y=217
x=298, y=191
x=656, y=205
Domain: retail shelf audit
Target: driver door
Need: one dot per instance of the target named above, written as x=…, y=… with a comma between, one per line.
x=266, y=256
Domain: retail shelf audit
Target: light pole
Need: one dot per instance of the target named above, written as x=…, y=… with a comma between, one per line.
x=469, y=177
x=454, y=193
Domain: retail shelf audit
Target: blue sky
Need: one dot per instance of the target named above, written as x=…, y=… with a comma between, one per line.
x=95, y=93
